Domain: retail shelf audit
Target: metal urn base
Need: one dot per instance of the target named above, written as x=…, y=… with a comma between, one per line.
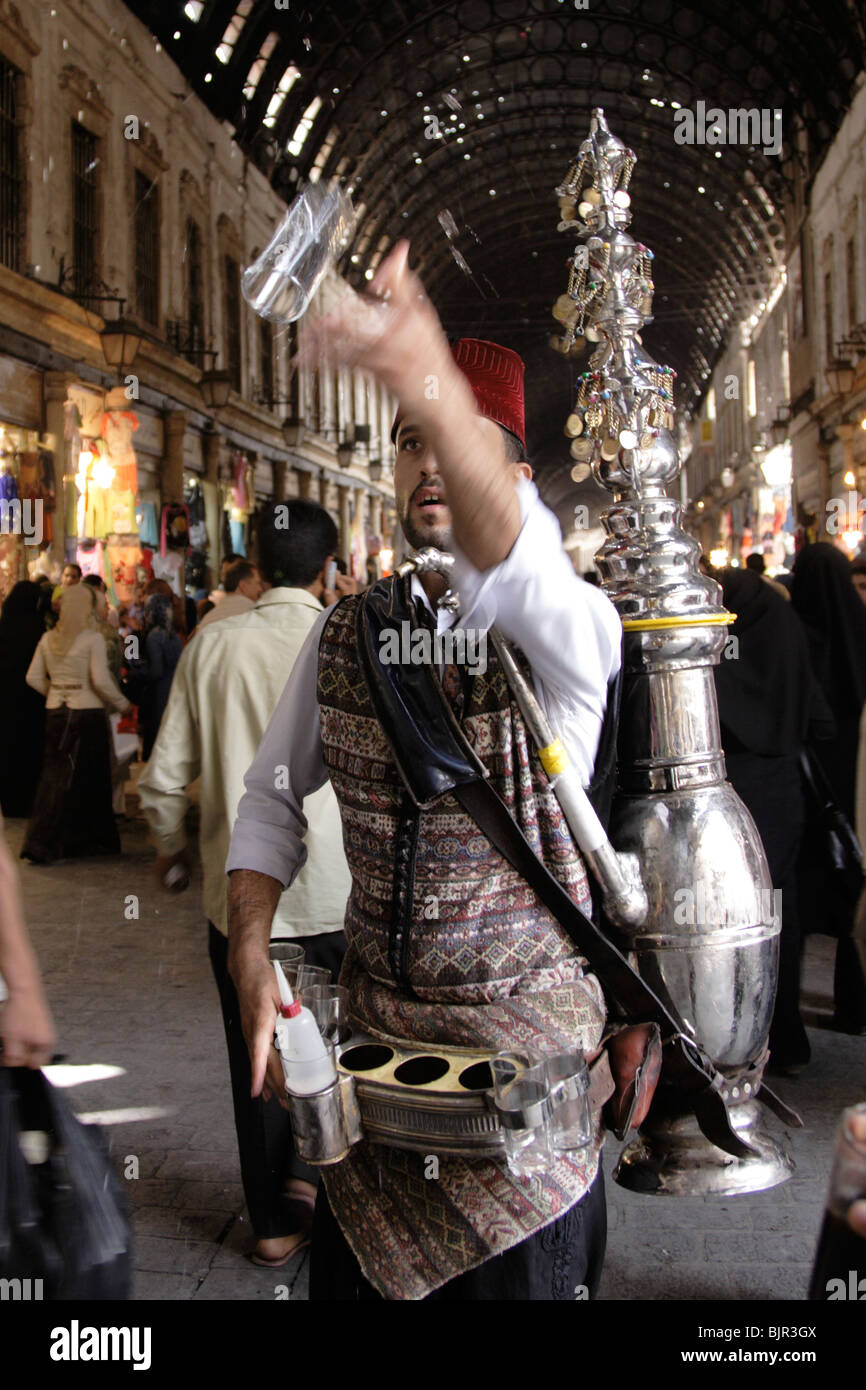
x=671, y=1157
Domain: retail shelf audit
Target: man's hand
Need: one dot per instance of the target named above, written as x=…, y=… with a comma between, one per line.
x=26, y=1029
x=394, y=332
x=259, y=999
x=253, y=899
x=343, y=586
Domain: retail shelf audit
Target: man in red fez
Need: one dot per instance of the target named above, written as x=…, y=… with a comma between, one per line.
x=448, y=946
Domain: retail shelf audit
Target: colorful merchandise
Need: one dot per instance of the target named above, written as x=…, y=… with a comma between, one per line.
x=117, y=428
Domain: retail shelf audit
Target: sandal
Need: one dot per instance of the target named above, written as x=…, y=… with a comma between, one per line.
x=295, y=1192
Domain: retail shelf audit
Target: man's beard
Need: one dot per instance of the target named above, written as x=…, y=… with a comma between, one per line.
x=418, y=537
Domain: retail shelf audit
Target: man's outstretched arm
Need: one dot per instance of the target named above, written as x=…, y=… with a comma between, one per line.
x=400, y=339
x=267, y=851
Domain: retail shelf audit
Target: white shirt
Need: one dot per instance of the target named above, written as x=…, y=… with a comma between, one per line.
x=225, y=689
x=568, y=629
x=80, y=678
x=230, y=606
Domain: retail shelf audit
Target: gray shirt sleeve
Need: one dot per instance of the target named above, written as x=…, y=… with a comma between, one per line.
x=268, y=834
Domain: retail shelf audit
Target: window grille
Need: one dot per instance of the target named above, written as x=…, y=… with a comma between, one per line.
x=10, y=168
x=266, y=345
x=85, y=210
x=146, y=248
x=194, y=288
x=233, y=320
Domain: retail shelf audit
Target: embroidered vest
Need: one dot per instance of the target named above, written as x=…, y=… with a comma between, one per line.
x=435, y=911
x=448, y=945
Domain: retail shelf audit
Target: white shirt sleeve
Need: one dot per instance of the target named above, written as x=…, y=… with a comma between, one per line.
x=268, y=835
x=37, y=672
x=569, y=630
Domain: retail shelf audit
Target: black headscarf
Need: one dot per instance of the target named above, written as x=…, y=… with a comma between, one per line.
x=834, y=617
x=765, y=685
x=21, y=626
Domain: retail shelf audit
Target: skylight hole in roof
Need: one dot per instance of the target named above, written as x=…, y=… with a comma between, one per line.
x=254, y=75
x=304, y=126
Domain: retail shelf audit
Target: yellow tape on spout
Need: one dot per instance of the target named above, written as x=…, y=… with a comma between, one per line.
x=554, y=758
x=703, y=620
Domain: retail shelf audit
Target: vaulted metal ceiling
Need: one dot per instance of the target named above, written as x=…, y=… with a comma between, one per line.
x=452, y=124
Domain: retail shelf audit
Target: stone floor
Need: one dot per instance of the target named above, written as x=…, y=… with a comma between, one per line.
x=126, y=970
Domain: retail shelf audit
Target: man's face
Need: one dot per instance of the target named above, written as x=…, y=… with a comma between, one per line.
x=859, y=582
x=419, y=492
x=251, y=588
x=69, y=576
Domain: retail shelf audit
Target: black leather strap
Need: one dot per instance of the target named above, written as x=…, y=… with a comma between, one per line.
x=433, y=757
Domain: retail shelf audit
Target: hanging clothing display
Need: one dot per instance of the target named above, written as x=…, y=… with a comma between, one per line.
x=122, y=563
x=27, y=500
x=90, y=555
x=194, y=499
x=118, y=427
x=148, y=530
x=170, y=567
x=174, y=527
x=8, y=484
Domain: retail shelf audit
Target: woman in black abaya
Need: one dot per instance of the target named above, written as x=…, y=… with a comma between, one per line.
x=22, y=710
x=834, y=617
x=767, y=698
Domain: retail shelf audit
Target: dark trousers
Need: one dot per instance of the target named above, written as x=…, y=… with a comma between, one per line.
x=264, y=1129
x=553, y=1264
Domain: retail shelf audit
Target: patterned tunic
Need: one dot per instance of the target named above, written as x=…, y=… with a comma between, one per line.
x=448, y=944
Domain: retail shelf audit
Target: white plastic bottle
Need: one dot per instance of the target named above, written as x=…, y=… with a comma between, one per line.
x=308, y=1064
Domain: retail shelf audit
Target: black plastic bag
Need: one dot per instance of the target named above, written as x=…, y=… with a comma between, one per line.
x=64, y=1220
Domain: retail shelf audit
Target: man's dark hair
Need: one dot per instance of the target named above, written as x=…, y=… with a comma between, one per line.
x=237, y=573
x=294, y=541
x=231, y=558
x=95, y=582
x=514, y=450
x=755, y=562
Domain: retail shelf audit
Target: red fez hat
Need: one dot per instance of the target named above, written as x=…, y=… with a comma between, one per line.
x=496, y=376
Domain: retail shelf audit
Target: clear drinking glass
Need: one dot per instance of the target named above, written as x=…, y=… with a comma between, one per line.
x=329, y=1005
x=840, y=1261
x=522, y=1093
x=317, y=227
x=309, y=975
x=571, y=1123
x=291, y=958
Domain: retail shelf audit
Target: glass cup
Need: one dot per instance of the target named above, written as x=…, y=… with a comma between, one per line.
x=290, y=956
x=309, y=975
x=840, y=1262
x=329, y=1005
x=571, y=1123
x=521, y=1090
x=317, y=227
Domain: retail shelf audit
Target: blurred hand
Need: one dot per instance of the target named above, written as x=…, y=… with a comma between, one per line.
x=27, y=1029
x=343, y=586
x=392, y=331
x=164, y=863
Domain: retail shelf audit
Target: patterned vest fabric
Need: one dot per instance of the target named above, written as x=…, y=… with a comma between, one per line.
x=448, y=944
